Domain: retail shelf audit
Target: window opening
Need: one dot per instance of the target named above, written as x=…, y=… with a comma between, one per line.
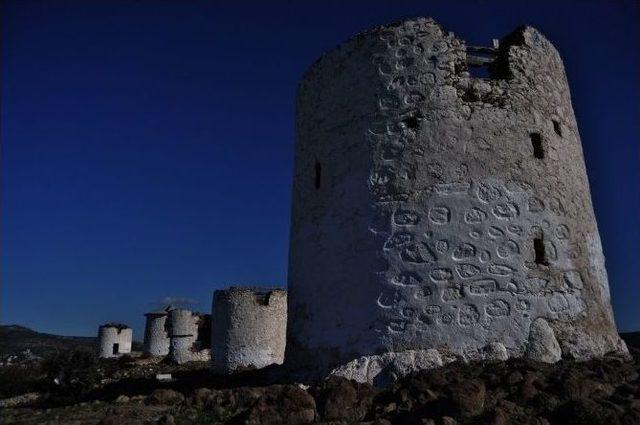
x=538, y=247
x=536, y=142
x=318, y=175
x=557, y=128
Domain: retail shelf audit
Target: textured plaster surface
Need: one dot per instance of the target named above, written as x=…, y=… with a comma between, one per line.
x=185, y=349
x=248, y=328
x=108, y=336
x=183, y=345
x=156, y=336
x=183, y=323
x=419, y=193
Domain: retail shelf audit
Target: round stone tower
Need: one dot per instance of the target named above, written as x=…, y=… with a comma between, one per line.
x=183, y=334
x=156, y=333
x=248, y=328
x=441, y=202
x=114, y=339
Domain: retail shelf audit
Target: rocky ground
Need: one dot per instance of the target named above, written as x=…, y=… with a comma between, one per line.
x=603, y=391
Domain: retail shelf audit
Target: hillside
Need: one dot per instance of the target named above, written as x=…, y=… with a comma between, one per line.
x=15, y=339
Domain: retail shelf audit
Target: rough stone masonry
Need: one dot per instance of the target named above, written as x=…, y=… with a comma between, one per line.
x=248, y=328
x=441, y=204
x=114, y=340
x=189, y=336
x=156, y=332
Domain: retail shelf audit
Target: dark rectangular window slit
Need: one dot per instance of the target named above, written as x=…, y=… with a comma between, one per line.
x=318, y=175
x=116, y=348
x=557, y=128
x=538, y=247
x=536, y=142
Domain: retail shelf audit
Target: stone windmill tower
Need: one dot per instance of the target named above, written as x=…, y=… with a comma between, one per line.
x=441, y=202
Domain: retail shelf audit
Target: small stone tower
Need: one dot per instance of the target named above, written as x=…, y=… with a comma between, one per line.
x=114, y=339
x=248, y=328
x=186, y=339
x=156, y=332
x=441, y=202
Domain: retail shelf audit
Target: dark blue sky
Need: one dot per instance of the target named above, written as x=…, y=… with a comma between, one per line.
x=147, y=145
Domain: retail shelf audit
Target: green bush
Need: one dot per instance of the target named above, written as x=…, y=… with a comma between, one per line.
x=20, y=379
x=71, y=374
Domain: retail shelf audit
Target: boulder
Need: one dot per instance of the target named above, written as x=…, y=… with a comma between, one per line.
x=495, y=351
x=164, y=396
x=384, y=369
x=338, y=398
x=543, y=345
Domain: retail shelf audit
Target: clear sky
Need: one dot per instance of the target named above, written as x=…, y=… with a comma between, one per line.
x=147, y=145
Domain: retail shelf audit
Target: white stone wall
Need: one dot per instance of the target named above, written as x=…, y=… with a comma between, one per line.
x=110, y=335
x=183, y=322
x=181, y=349
x=248, y=328
x=183, y=346
x=156, y=337
x=421, y=194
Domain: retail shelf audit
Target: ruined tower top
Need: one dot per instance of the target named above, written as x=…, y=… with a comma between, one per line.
x=156, y=332
x=248, y=328
x=441, y=202
x=114, y=339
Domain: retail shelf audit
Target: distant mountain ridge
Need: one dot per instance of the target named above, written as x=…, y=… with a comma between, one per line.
x=14, y=339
